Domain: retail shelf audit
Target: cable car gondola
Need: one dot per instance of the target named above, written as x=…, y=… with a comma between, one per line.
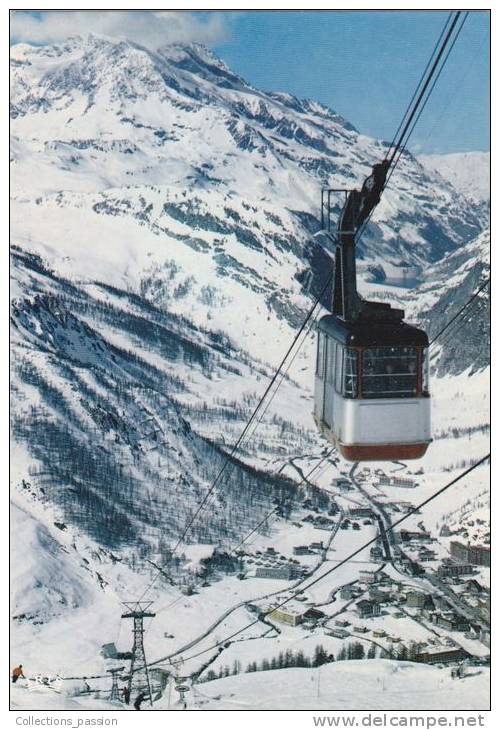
x=371, y=386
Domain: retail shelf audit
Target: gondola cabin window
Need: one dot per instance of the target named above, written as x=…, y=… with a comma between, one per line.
x=320, y=360
x=425, y=371
x=330, y=361
x=338, y=367
x=350, y=372
x=390, y=372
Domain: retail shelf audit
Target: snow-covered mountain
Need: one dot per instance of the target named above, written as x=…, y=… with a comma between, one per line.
x=468, y=172
x=163, y=257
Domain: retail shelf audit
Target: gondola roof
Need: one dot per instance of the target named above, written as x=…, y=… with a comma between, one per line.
x=372, y=333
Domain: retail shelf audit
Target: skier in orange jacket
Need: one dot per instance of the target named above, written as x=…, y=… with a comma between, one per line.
x=16, y=673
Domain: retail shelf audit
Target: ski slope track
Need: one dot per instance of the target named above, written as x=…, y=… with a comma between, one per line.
x=163, y=256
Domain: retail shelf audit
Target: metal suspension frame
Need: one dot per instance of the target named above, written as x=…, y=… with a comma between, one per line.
x=347, y=304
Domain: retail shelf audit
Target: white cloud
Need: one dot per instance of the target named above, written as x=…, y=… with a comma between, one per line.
x=151, y=28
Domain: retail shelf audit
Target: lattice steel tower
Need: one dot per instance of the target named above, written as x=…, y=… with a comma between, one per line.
x=139, y=673
x=115, y=692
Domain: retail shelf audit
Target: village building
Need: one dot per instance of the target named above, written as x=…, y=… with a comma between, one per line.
x=474, y=554
x=452, y=622
x=375, y=594
x=472, y=586
x=289, y=616
x=443, y=656
x=485, y=637
x=323, y=523
x=449, y=569
x=390, y=481
x=316, y=545
x=313, y=615
x=341, y=622
x=361, y=512
x=279, y=572
x=366, y=609
x=342, y=483
x=301, y=550
x=420, y=535
x=347, y=593
x=414, y=599
x=484, y=608
x=367, y=576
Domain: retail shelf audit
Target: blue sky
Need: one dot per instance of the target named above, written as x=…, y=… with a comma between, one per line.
x=365, y=65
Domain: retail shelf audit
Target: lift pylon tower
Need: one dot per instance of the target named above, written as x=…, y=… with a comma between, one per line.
x=139, y=674
x=115, y=692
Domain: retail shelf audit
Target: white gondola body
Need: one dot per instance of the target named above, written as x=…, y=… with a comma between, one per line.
x=364, y=427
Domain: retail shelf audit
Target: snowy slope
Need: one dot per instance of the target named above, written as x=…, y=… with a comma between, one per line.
x=351, y=685
x=468, y=172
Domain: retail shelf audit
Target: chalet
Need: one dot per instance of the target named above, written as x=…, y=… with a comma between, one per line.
x=485, y=637
x=341, y=622
x=342, y=483
x=367, y=576
x=383, y=578
x=474, y=631
x=314, y=615
x=316, y=545
x=441, y=603
x=323, y=523
x=472, y=586
x=367, y=609
x=376, y=554
x=484, y=608
x=426, y=555
x=378, y=596
x=452, y=622
x=415, y=599
x=301, y=550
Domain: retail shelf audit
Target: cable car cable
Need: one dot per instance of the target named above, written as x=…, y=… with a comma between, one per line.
x=415, y=111
x=462, y=309
x=305, y=478
x=424, y=72
x=241, y=437
x=427, y=97
x=245, y=430
x=426, y=84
